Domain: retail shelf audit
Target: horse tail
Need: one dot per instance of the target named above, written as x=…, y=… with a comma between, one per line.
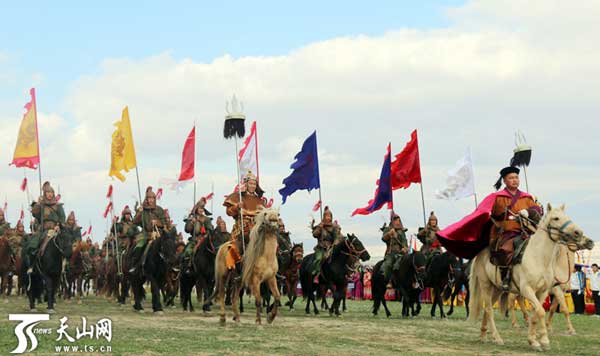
x=475, y=303
x=305, y=275
x=220, y=271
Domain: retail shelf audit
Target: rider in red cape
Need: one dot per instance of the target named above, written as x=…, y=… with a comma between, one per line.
x=493, y=224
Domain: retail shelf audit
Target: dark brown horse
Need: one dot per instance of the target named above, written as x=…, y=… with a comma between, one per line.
x=80, y=265
x=291, y=272
x=5, y=267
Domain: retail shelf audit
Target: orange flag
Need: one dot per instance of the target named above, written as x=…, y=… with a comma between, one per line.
x=27, y=151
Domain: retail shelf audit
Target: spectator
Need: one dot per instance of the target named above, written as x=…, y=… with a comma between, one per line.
x=594, y=276
x=578, y=290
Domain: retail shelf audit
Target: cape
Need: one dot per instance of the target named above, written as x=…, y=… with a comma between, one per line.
x=467, y=237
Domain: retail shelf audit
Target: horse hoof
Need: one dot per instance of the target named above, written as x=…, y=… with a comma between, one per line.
x=50, y=311
x=546, y=347
x=33, y=310
x=270, y=319
x=159, y=312
x=141, y=311
x=499, y=342
x=79, y=302
x=222, y=322
x=5, y=300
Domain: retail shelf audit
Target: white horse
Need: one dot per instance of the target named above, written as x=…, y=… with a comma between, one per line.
x=533, y=278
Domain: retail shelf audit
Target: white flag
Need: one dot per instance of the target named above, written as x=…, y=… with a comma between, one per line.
x=461, y=180
x=248, y=155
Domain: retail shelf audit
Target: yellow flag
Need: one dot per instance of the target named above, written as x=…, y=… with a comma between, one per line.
x=27, y=151
x=122, y=151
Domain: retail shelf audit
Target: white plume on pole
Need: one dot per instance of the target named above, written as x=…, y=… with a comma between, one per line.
x=460, y=182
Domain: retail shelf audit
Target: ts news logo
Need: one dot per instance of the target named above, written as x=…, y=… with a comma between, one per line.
x=24, y=330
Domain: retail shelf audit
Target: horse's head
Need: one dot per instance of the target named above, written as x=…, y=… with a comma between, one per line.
x=562, y=229
x=267, y=220
x=419, y=262
x=167, y=248
x=357, y=248
x=298, y=252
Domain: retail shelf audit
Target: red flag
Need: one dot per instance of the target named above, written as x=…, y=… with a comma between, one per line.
x=22, y=215
x=317, y=206
x=209, y=197
x=159, y=193
x=88, y=232
x=188, y=157
x=58, y=197
x=406, y=168
x=248, y=155
x=270, y=203
x=5, y=206
x=110, y=191
x=107, y=210
x=24, y=184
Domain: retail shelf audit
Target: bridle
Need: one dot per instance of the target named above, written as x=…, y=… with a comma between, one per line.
x=418, y=281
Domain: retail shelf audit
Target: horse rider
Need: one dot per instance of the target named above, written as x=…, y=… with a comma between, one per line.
x=427, y=235
x=326, y=233
x=199, y=225
x=394, y=237
x=151, y=218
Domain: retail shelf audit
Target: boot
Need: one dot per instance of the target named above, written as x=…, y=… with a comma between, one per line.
x=135, y=259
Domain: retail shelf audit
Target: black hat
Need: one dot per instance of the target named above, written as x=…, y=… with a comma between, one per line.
x=503, y=173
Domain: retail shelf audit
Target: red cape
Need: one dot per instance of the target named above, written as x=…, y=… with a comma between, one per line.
x=470, y=235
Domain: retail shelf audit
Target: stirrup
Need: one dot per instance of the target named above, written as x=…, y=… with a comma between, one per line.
x=280, y=277
x=30, y=270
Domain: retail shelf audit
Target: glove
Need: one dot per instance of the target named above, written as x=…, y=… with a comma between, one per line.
x=524, y=213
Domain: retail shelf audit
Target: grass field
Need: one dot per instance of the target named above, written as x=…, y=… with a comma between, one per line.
x=357, y=332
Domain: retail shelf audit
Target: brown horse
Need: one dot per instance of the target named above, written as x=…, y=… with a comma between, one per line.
x=5, y=267
x=79, y=267
x=291, y=272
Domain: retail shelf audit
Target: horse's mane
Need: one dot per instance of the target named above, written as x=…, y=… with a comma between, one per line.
x=256, y=246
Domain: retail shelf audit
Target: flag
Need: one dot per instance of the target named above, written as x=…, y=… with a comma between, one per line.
x=107, y=210
x=159, y=193
x=460, y=182
x=406, y=168
x=188, y=157
x=5, y=208
x=317, y=206
x=383, y=192
x=410, y=245
x=209, y=197
x=22, y=214
x=306, y=169
x=88, y=232
x=172, y=184
x=248, y=155
x=122, y=152
x=24, y=184
x=27, y=150
x=58, y=196
x=110, y=191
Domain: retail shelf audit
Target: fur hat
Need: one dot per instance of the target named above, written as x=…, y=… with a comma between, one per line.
x=150, y=193
x=47, y=187
x=432, y=217
x=249, y=176
x=72, y=216
x=503, y=173
x=327, y=211
x=126, y=210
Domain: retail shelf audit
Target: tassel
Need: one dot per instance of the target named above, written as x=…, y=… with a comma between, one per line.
x=498, y=184
x=233, y=127
x=521, y=158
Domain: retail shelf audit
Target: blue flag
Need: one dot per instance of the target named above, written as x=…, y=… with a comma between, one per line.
x=383, y=192
x=306, y=169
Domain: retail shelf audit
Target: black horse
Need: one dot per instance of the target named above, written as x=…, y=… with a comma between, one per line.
x=160, y=258
x=441, y=277
x=333, y=272
x=47, y=269
x=202, y=274
x=408, y=281
x=461, y=277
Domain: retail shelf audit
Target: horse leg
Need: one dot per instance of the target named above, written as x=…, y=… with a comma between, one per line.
x=565, y=310
x=236, y=299
x=489, y=303
x=452, y=299
x=551, y=312
x=275, y=291
x=467, y=298
x=528, y=293
x=258, y=299
x=434, y=302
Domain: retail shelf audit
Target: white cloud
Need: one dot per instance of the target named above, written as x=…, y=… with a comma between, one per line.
x=493, y=71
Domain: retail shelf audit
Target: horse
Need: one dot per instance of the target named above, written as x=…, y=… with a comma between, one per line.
x=408, y=278
x=566, y=257
x=47, y=268
x=441, y=278
x=5, y=267
x=80, y=266
x=333, y=272
x=202, y=274
x=533, y=278
x=160, y=258
x=461, y=279
x=260, y=261
x=291, y=273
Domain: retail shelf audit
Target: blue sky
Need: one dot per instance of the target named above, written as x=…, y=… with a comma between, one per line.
x=60, y=41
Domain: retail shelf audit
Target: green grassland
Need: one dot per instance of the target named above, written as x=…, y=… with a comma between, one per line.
x=357, y=332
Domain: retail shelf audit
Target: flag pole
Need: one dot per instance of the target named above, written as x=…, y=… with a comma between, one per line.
x=137, y=175
x=476, y=203
x=239, y=180
x=320, y=201
x=423, y=203
x=212, y=191
x=116, y=237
